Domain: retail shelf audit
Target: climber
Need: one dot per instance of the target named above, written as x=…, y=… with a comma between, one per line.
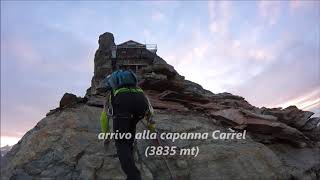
x=127, y=105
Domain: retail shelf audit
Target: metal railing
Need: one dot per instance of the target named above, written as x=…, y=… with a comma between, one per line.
x=151, y=47
x=146, y=46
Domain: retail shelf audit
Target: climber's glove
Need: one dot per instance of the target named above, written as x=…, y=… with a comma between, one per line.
x=151, y=125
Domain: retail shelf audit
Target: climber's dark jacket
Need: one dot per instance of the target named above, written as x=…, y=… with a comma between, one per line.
x=108, y=107
x=128, y=109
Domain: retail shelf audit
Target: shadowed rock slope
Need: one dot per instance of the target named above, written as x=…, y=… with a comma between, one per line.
x=280, y=143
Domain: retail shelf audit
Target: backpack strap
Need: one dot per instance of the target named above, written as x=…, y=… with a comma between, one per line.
x=127, y=90
x=109, y=104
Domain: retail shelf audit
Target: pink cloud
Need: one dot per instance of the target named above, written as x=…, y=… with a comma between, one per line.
x=306, y=101
x=270, y=10
x=25, y=52
x=296, y=5
x=220, y=15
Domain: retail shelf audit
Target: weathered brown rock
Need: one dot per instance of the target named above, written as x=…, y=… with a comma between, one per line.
x=290, y=115
x=164, y=69
x=312, y=129
x=68, y=100
x=182, y=97
x=296, y=118
x=311, y=124
x=263, y=124
x=106, y=41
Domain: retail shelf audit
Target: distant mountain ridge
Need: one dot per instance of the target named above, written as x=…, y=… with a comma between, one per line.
x=5, y=149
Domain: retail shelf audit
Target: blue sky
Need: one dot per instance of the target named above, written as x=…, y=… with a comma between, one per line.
x=265, y=51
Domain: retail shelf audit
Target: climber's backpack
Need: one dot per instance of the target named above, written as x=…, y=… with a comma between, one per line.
x=121, y=78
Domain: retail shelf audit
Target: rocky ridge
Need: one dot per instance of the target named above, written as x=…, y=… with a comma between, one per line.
x=280, y=144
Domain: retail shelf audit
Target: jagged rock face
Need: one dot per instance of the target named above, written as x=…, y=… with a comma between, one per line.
x=280, y=143
x=64, y=145
x=102, y=60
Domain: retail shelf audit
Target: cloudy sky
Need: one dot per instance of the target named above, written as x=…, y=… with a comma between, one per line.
x=265, y=51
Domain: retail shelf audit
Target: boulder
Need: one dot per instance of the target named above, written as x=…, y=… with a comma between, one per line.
x=290, y=115
x=311, y=124
x=312, y=129
x=262, y=124
x=68, y=99
x=164, y=69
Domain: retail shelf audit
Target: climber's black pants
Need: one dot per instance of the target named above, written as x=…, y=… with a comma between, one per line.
x=128, y=110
